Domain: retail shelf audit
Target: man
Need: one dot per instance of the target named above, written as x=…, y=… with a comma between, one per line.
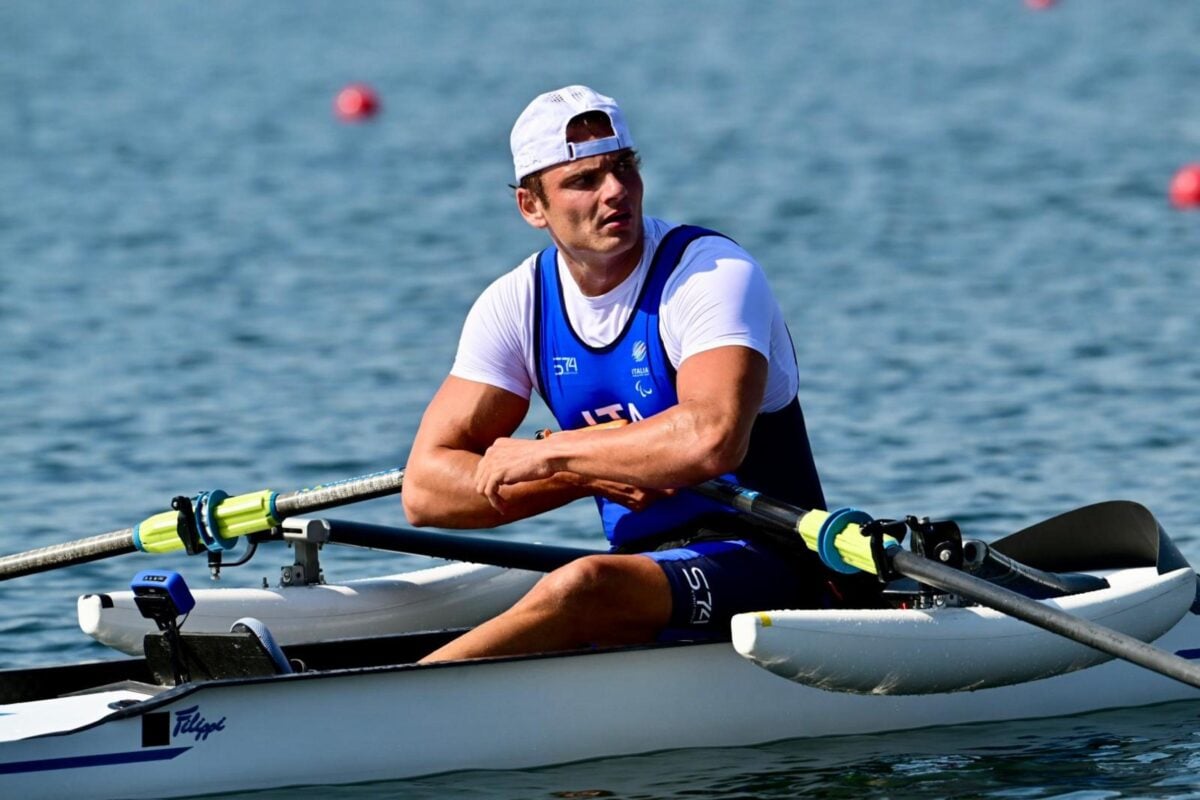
x=672, y=329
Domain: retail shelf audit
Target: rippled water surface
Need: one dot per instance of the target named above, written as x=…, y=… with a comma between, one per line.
x=207, y=281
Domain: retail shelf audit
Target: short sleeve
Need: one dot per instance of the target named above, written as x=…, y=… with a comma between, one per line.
x=493, y=347
x=719, y=296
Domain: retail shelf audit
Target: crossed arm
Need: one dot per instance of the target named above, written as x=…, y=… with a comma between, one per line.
x=465, y=472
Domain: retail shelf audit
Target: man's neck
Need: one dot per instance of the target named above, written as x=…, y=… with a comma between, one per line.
x=597, y=275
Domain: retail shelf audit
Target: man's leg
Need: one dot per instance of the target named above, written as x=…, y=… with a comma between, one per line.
x=597, y=600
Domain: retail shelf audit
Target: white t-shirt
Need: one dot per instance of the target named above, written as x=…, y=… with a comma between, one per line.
x=717, y=296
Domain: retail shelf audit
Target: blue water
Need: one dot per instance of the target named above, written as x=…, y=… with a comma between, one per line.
x=207, y=281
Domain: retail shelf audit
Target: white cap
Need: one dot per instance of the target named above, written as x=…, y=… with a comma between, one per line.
x=539, y=137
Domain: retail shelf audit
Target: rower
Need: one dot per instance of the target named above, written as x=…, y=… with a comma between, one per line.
x=670, y=327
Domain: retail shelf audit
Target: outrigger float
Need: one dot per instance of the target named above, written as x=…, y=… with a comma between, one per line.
x=316, y=683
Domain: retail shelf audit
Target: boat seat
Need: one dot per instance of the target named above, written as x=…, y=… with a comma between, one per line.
x=256, y=627
x=241, y=653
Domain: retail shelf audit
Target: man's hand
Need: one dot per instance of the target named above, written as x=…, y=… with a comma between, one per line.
x=632, y=497
x=509, y=461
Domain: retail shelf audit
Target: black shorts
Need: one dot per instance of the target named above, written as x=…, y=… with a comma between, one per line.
x=712, y=580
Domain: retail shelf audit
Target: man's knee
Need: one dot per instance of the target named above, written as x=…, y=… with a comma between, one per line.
x=607, y=586
x=586, y=581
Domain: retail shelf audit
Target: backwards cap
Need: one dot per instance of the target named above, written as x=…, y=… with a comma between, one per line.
x=539, y=137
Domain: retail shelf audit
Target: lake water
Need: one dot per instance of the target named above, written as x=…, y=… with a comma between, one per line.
x=208, y=281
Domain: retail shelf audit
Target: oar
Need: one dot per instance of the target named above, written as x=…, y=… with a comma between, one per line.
x=221, y=519
x=473, y=549
x=853, y=549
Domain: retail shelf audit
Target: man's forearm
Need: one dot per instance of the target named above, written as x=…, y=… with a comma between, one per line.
x=678, y=447
x=440, y=492
x=706, y=434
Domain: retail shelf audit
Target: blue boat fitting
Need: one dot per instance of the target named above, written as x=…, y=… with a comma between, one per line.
x=161, y=594
x=205, y=505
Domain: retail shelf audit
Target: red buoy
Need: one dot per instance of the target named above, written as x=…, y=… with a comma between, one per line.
x=1185, y=187
x=1040, y=5
x=356, y=102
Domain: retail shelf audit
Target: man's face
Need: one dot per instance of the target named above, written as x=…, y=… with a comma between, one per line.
x=593, y=207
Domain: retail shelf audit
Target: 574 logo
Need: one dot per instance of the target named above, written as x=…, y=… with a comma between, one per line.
x=566, y=365
x=702, y=599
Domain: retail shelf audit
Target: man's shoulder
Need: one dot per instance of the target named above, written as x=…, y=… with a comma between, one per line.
x=509, y=296
x=713, y=244
x=711, y=266
x=515, y=279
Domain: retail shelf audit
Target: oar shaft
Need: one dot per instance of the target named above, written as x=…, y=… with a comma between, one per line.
x=354, y=490
x=474, y=549
x=753, y=504
x=832, y=536
x=67, y=554
x=157, y=534
x=1043, y=616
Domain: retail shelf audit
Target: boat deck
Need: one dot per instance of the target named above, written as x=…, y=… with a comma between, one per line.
x=207, y=658
x=52, y=715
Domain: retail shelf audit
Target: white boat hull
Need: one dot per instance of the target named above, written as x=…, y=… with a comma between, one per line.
x=395, y=722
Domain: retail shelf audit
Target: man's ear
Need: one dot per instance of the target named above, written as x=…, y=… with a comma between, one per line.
x=531, y=208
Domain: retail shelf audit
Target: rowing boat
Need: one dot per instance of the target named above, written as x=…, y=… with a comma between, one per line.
x=350, y=718
x=216, y=710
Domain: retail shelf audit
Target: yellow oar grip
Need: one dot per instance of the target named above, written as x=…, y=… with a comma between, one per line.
x=157, y=534
x=246, y=514
x=852, y=546
x=234, y=516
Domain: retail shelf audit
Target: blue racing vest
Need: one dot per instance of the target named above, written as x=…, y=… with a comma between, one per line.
x=631, y=378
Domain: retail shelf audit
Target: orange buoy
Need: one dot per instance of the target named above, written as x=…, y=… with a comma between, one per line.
x=1185, y=187
x=356, y=102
